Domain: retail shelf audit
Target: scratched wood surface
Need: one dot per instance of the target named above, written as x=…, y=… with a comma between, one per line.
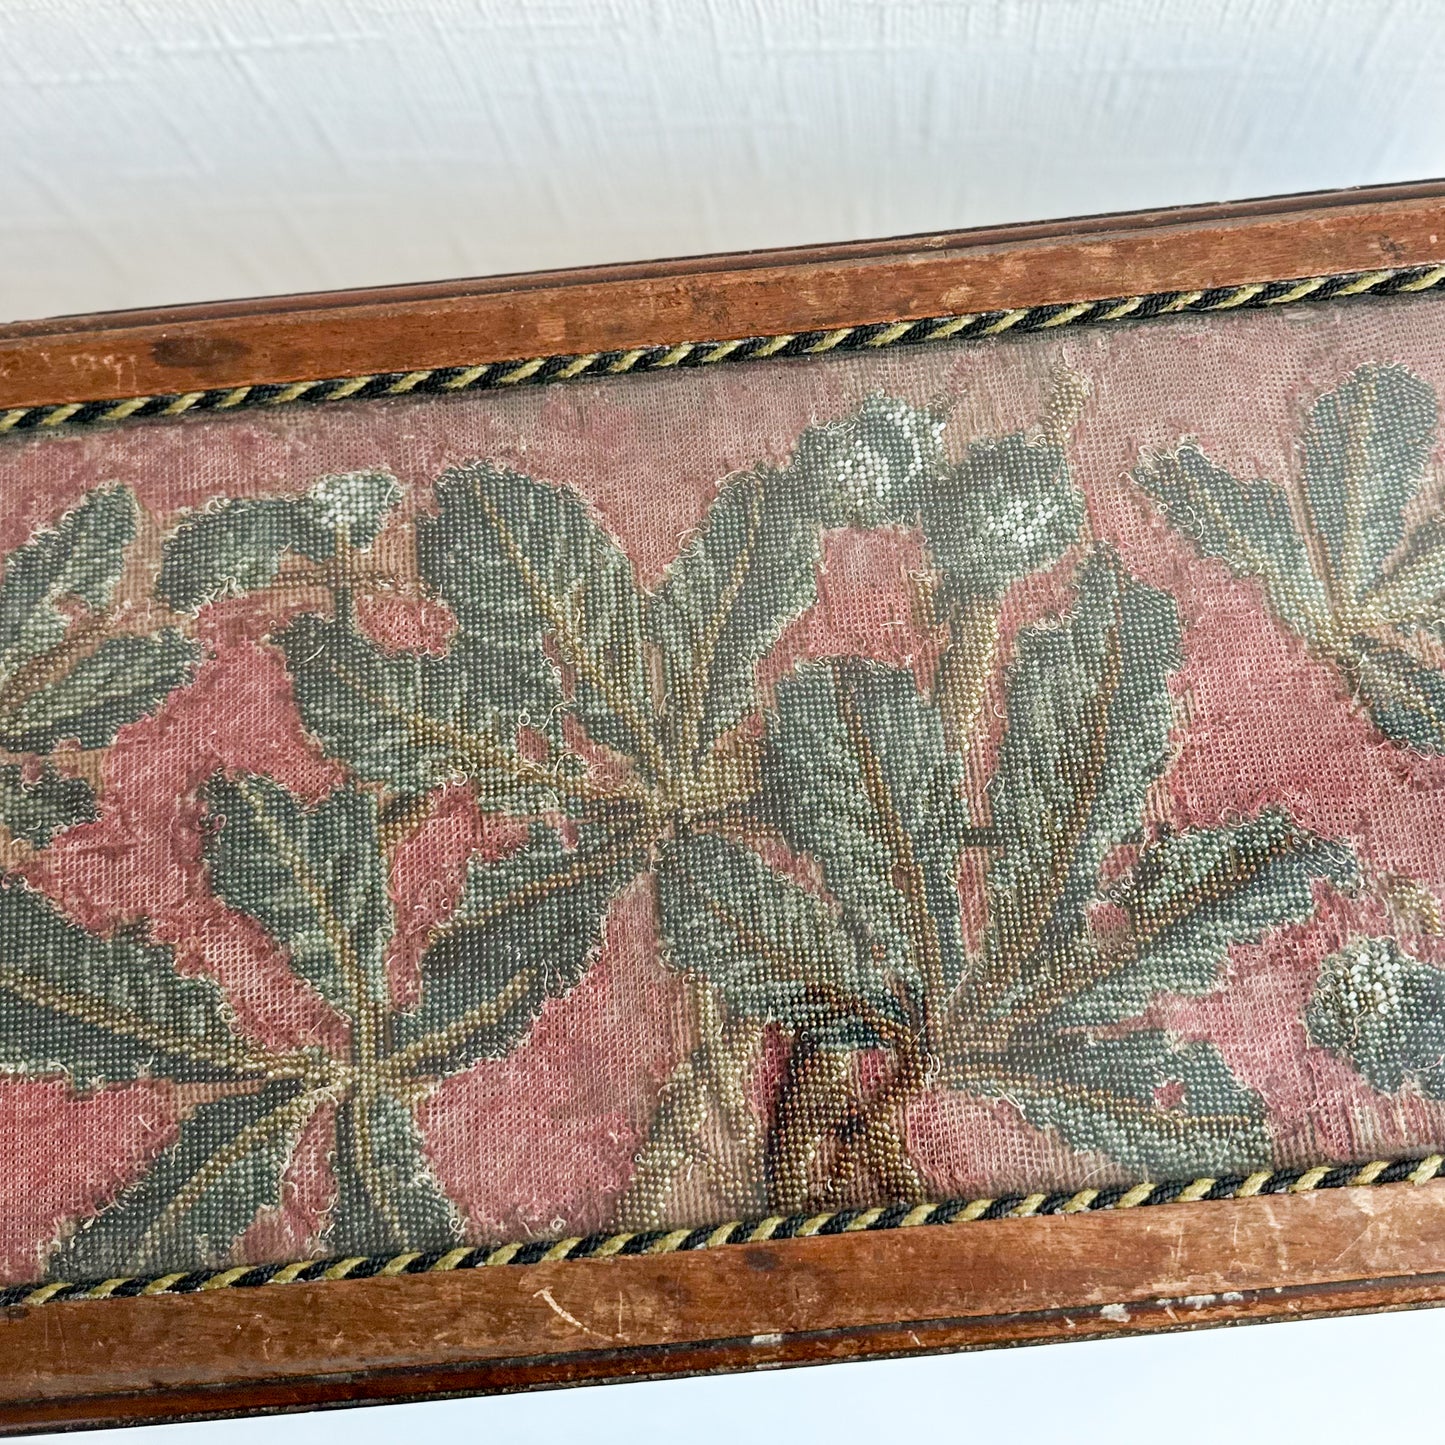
x=949, y=1287
x=715, y=298
x=748, y=1306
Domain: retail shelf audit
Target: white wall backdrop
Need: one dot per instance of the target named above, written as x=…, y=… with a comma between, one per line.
x=154, y=151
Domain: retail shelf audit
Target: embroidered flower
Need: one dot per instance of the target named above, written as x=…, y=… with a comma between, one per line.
x=353, y=501
x=1364, y=978
x=1383, y=1011
x=877, y=462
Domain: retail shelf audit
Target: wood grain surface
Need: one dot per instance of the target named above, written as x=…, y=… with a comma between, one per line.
x=946, y=1287
x=715, y=298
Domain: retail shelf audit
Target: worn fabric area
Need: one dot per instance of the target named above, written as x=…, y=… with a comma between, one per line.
x=643, y=803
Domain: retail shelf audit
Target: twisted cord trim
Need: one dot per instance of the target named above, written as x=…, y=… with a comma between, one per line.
x=497, y=375
x=744, y=1231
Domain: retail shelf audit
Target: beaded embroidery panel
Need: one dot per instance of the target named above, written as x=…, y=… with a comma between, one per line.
x=637, y=804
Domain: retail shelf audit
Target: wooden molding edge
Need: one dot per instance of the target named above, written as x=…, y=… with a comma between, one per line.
x=800, y=1301
x=748, y=1306
x=716, y=298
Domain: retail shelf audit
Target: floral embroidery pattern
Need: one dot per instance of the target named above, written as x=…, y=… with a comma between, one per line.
x=854, y=927
x=1365, y=588
x=1344, y=582
x=74, y=662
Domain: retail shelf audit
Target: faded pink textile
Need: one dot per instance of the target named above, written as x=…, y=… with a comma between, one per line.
x=542, y=1142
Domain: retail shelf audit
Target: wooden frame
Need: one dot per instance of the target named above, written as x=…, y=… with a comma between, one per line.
x=755, y=1305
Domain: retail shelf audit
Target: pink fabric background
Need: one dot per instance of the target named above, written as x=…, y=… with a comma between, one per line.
x=541, y=1142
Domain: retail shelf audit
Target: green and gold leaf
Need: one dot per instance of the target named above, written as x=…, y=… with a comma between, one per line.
x=751, y=567
x=104, y=1010
x=38, y=808
x=230, y=549
x=526, y=929
x=123, y=680
x=857, y=774
x=236, y=546
x=1405, y=698
x=1193, y=895
x=1365, y=450
x=388, y=1198
x=522, y=564
x=202, y=1193
x=411, y=721
x=1384, y=1012
x=1411, y=596
x=1087, y=733
x=1153, y=1104
x=81, y=558
x=57, y=683
x=313, y=878
x=743, y=576
x=773, y=950
x=1246, y=525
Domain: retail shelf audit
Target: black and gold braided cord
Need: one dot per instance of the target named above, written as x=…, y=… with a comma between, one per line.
x=744, y=1231
x=498, y=375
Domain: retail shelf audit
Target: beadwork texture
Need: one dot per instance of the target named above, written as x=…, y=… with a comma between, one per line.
x=1002, y=771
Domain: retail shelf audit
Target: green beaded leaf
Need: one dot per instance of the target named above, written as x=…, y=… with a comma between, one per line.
x=1008, y=509
x=409, y=720
x=236, y=546
x=388, y=1199
x=39, y=808
x=228, y=550
x=1384, y=1012
x=1153, y=1104
x=1365, y=450
x=857, y=775
x=744, y=575
x=1411, y=597
x=1404, y=697
x=773, y=950
x=202, y=1193
x=313, y=878
x=81, y=558
x=353, y=505
x=1193, y=895
x=1246, y=525
x=397, y=718
x=524, y=566
x=123, y=680
x=104, y=1010
x=526, y=929
x=58, y=684
x=1088, y=720
x=751, y=567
